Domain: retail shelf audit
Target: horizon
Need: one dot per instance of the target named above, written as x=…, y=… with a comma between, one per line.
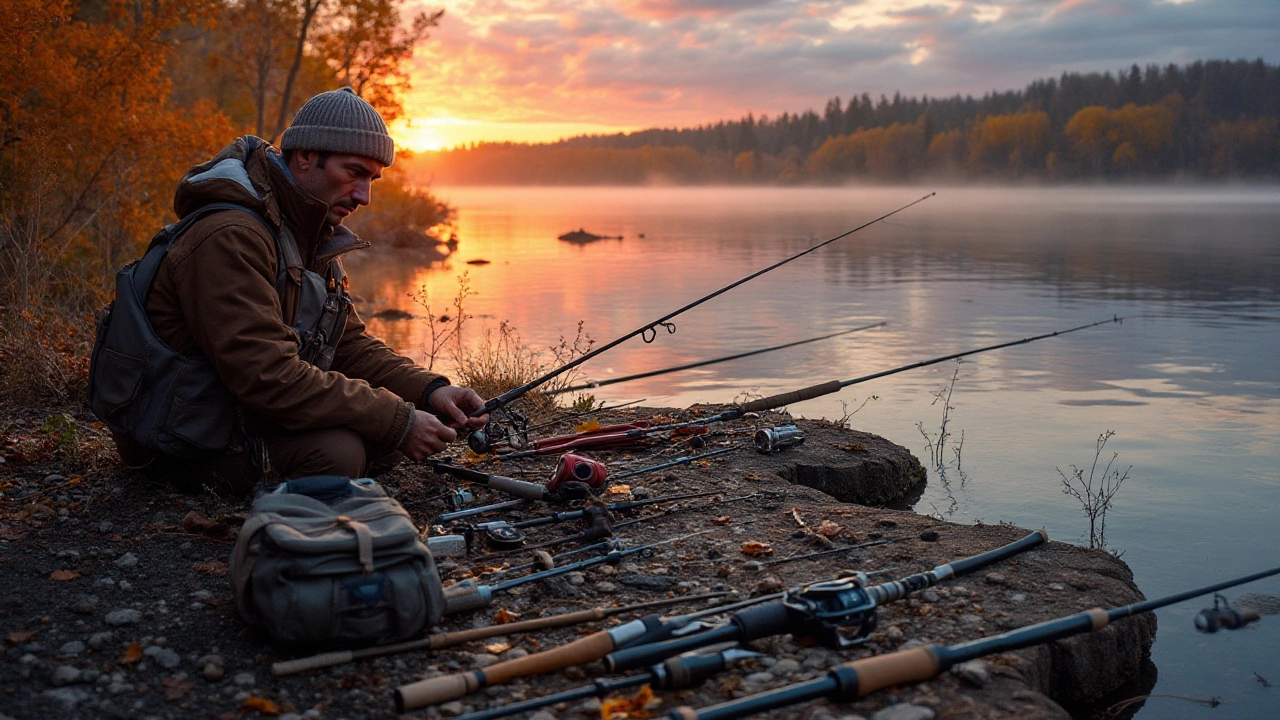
x=538, y=71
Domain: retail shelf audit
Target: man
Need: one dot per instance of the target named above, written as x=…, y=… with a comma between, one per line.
x=313, y=393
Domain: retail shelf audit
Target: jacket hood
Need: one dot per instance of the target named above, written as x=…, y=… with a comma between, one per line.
x=252, y=173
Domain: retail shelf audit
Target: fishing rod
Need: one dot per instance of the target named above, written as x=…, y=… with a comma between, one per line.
x=818, y=611
x=436, y=690
x=480, y=441
x=814, y=391
x=438, y=641
x=859, y=678
x=676, y=673
x=469, y=595
x=704, y=363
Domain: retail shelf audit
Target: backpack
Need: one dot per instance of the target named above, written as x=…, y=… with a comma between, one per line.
x=327, y=560
x=172, y=403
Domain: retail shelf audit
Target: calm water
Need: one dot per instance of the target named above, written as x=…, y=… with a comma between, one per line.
x=1190, y=382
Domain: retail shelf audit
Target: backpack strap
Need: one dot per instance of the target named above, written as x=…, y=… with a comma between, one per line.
x=163, y=240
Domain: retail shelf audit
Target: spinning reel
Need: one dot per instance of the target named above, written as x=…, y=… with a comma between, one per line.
x=504, y=424
x=1223, y=617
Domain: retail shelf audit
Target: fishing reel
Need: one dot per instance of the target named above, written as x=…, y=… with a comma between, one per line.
x=771, y=440
x=820, y=610
x=1223, y=617
x=576, y=468
x=505, y=425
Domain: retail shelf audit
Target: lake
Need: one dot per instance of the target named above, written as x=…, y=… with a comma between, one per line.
x=1189, y=382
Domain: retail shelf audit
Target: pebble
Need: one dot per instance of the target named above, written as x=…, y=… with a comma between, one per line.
x=126, y=616
x=608, y=570
x=97, y=640
x=483, y=659
x=543, y=715
x=85, y=606
x=994, y=579
x=904, y=711
x=118, y=686
x=652, y=583
x=244, y=679
x=929, y=536
x=605, y=586
x=575, y=578
x=450, y=709
x=66, y=697
x=514, y=653
x=164, y=657
x=769, y=584
x=64, y=675
x=1018, y=597
x=786, y=666
x=212, y=673
x=127, y=560
x=973, y=672
x=107, y=581
x=105, y=526
x=930, y=596
x=75, y=647
x=125, y=585
x=1057, y=586
x=894, y=634
x=759, y=678
x=590, y=706
x=969, y=620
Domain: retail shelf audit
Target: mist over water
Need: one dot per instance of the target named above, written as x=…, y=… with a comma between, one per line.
x=1190, y=381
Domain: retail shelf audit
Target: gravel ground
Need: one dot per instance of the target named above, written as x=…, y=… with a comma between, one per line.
x=115, y=600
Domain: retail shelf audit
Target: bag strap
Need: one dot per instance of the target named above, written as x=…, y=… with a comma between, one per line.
x=146, y=269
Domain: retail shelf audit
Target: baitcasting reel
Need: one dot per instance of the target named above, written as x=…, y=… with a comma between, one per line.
x=821, y=609
x=576, y=468
x=1223, y=617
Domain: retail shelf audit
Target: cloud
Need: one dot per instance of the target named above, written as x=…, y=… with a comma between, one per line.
x=639, y=63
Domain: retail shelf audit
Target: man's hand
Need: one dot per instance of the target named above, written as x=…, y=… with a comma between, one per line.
x=428, y=436
x=457, y=403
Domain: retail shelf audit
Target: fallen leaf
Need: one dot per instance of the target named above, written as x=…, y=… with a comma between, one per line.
x=132, y=654
x=829, y=529
x=756, y=549
x=262, y=705
x=471, y=458
x=497, y=648
x=635, y=706
x=175, y=690
x=64, y=575
x=504, y=616
x=19, y=637
x=588, y=426
x=197, y=524
x=722, y=520
x=216, y=568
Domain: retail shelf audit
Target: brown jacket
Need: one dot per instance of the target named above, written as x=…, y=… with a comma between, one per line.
x=215, y=294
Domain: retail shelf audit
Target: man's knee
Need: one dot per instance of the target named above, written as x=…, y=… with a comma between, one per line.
x=333, y=451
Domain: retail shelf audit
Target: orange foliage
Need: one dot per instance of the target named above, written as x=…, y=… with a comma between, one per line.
x=1015, y=142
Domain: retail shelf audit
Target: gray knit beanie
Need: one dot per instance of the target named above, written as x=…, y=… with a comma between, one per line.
x=340, y=121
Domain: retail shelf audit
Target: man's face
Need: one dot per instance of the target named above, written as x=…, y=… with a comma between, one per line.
x=344, y=182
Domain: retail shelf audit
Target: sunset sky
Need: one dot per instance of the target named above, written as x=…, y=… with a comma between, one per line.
x=540, y=70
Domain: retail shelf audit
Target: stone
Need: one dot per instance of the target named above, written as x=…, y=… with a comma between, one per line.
x=126, y=616
x=575, y=578
x=769, y=584
x=605, y=586
x=785, y=666
x=759, y=678
x=64, y=675
x=930, y=596
x=543, y=715
x=651, y=583
x=995, y=578
x=974, y=672
x=84, y=606
x=451, y=709
x=67, y=697
x=75, y=647
x=97, y=640
x=904, y=711
x=483, y=659
x=127, y=560
x=212, y=672
x=244, y=679
x=894, y=634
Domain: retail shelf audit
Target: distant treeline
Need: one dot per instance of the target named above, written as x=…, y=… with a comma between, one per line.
x=1208, y=119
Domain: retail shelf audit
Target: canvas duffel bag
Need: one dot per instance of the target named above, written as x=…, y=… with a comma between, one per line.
x=332, y=561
